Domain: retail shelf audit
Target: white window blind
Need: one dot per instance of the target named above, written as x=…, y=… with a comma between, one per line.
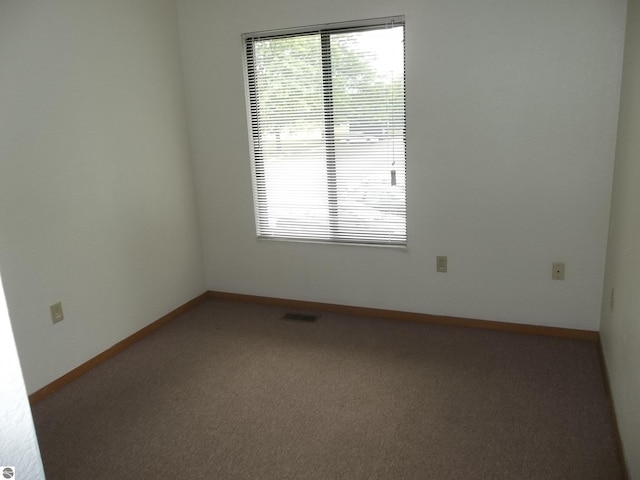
x=327, y=123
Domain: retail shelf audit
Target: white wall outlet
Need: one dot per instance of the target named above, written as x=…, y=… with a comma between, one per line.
x=57, y=315
x=441, y=264
x=557, y=272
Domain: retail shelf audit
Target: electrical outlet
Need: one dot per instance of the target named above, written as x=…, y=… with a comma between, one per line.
x=57, y=315
x=557, y=272
x=612, y=299
x=441, y=264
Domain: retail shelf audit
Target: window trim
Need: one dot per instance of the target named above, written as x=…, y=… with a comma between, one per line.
x=325, y=31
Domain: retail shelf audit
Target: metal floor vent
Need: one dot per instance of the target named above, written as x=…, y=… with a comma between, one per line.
x=300, y=317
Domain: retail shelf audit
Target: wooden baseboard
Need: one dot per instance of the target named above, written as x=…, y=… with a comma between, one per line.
x=47, y=390
x=409, y=316
x=612, y=407
x=314, y=306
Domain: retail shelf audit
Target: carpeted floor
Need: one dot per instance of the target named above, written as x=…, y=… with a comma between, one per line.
x=231, y=391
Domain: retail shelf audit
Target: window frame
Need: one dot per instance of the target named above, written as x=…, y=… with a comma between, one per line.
x=325, y=31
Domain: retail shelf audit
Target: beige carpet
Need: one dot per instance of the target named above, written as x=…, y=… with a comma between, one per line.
x=231, y=391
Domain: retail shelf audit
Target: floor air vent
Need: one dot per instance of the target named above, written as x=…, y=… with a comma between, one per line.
x=300, y=317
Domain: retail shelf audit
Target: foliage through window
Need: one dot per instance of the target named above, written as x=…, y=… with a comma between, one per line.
x=327, y=121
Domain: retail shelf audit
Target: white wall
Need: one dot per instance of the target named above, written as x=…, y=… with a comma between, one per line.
x=620, y=333
x=511, y=123
x=18, y=443
x=97, y=207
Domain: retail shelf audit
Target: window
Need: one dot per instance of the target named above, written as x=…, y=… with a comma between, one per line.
x=327, y=123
